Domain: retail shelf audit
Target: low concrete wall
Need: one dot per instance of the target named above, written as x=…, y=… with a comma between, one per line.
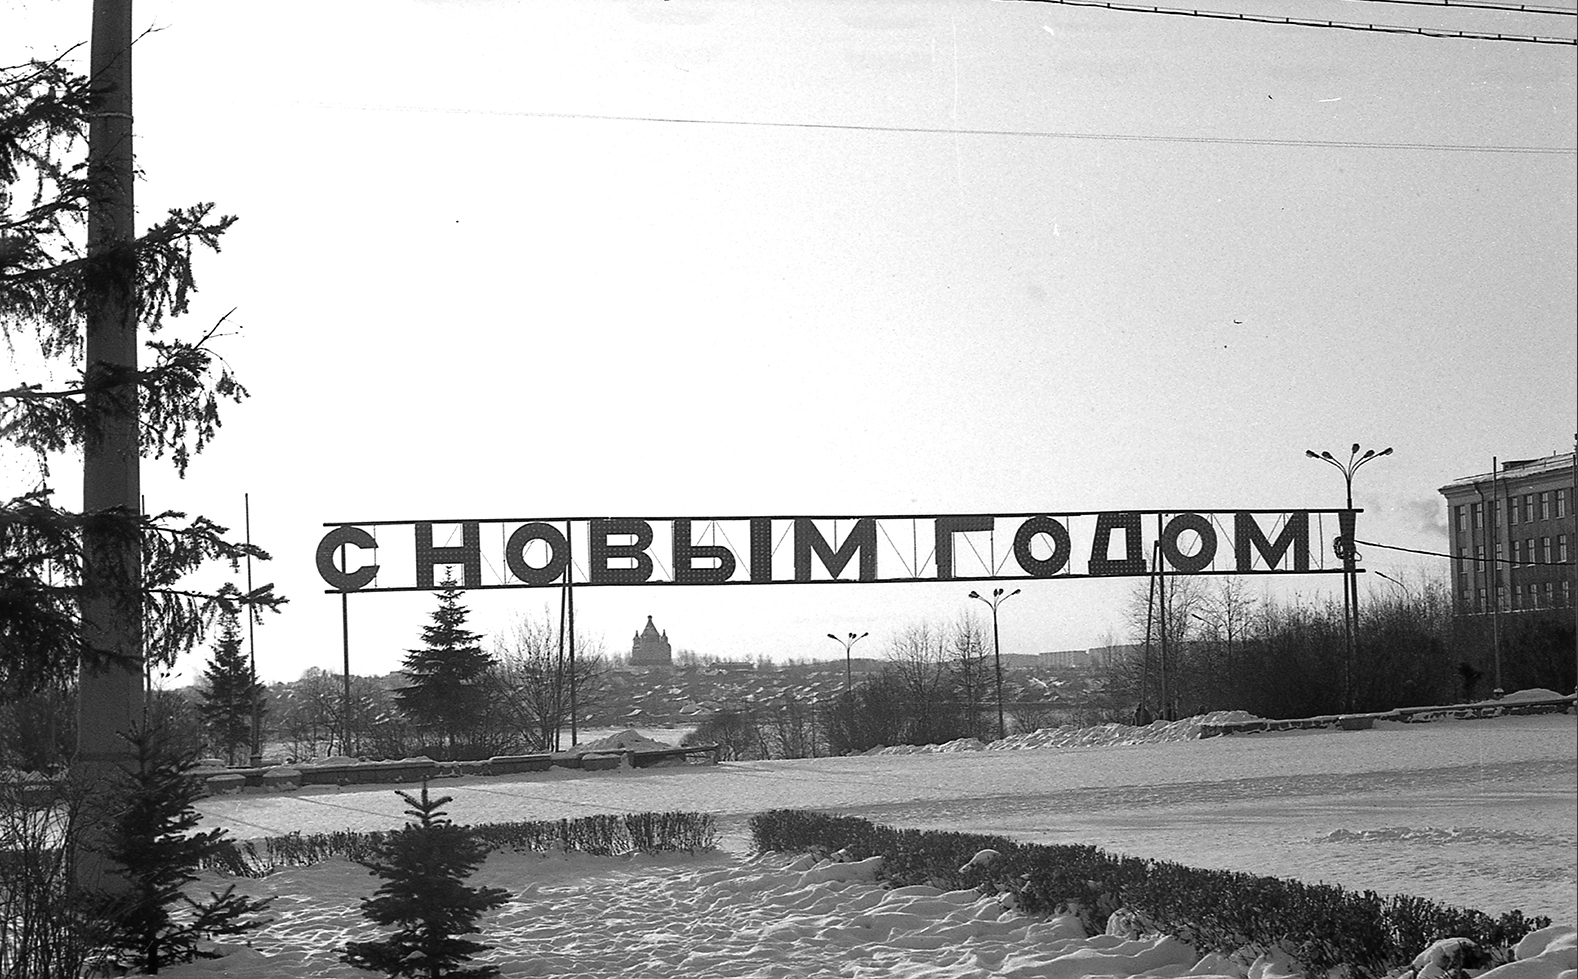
x=228, y=782
x=287, y=777
x=369, y=772
x=1362, y=722
x=282, y=779
x=513, y=764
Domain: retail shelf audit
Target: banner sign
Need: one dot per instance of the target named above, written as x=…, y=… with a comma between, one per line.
x=416, y=555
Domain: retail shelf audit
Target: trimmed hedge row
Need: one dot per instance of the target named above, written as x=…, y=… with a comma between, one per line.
x=602, y=835
x=1320, y=925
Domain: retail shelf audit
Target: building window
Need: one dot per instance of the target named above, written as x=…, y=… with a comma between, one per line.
x=1482, y=603
x=1561, y=548
x=1512, y=511
x=1478, y=511
x=1545, y=549
x=1479, y=559
x=1528, y=508
x=1517, y=552
x=1545, y=506
x=1567, y=593
x=1517, y=596
x=1561, y=503
x=1550, y=594
x=1528, y=551
x=1462, y=518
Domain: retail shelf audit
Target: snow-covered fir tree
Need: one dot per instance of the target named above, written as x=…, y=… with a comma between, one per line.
x=230, y=688
x=446, y=693
x=152, y=836
x=424, y=867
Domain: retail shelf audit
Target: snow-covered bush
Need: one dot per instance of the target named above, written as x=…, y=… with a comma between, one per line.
x=1321, y=925
x=599, y=835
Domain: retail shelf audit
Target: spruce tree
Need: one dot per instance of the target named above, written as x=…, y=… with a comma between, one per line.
x=446, y=693
x=102, y=590
x=424, y=867
x=151, y=837
x=231, y=688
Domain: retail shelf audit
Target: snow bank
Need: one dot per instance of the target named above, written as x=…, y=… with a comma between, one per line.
x=1525, y=696
x=628, y=739
x=1158, y=732
x=1550, y=953
x=716, y=917
x=1102, y=735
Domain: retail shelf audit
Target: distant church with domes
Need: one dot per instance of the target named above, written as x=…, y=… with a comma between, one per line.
x=651, y=648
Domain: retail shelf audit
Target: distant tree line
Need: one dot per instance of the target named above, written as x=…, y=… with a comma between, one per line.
x=452, y=699
x=1225, y=650
x=938, y=683
x=1228, y=650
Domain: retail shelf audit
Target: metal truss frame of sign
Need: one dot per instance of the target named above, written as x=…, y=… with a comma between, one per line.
x=408, y=555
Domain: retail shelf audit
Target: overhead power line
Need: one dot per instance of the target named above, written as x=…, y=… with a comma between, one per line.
x=1512, y=8
x=1030, y=133
x=1311, y=22
x=1465, y=557
x=1515, y=8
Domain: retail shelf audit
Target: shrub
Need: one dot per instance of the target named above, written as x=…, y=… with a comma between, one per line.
x=606, y=835
x=42, y=932
x=1321, y=925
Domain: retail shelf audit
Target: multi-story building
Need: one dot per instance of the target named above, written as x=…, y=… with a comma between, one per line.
x=1512, y=536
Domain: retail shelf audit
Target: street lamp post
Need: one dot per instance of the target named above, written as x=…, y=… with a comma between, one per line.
x=1226, y=625
x=997, y=599
x=1406, y=593
x=846, y=643
x=1345, y=546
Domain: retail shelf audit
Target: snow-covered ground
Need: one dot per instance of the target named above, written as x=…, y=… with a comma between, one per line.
x=1480, y=813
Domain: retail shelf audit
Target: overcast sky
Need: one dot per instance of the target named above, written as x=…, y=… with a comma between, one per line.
x=700, y=257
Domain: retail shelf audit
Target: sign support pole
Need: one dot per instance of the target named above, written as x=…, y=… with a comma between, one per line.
x=345, y=636
x=252, y=653
x=569, y=592
x=558, y=666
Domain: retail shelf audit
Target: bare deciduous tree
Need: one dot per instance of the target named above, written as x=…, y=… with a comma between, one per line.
x=531, y=681
x=973, y=674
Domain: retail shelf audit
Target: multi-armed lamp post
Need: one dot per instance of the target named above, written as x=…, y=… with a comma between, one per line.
x=846, y=643
x=997, y=599
x=1345, y=550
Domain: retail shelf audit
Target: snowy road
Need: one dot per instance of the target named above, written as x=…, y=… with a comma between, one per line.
x=1479, y=813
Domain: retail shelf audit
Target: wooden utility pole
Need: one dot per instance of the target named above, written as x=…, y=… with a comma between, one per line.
x=110, y=701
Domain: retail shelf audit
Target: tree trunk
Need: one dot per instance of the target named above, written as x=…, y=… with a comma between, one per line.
x=111, y=701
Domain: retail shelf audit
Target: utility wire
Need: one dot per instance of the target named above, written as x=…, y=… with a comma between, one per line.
x=1308, y=22
x=1464, y=557
x=1040, y=134
x=1514, y=8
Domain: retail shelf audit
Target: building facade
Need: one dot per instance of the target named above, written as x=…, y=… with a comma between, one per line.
x=1512, y=537
x=651, y=648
